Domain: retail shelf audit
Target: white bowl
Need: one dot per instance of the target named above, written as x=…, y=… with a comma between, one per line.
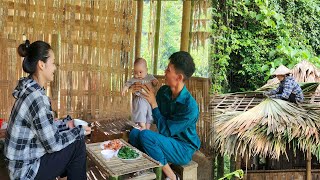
x=78, y=122
x=108, y=153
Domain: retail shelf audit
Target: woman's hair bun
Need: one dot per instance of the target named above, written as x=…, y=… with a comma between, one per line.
x=23, y=48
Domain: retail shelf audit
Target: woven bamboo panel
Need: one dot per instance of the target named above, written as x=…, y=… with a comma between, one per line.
x=93, y=45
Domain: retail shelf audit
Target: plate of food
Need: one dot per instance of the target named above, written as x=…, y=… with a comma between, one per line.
x=115, y=145
x=128, y=154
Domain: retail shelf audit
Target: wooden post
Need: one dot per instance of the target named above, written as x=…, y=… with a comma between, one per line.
x=238, y=163
x=184, y=46
x=191, y=24
x=220, y=166
x=54, y=85
x=156, y=38
x=308, y=169
x=139, y=28
x=232, y=165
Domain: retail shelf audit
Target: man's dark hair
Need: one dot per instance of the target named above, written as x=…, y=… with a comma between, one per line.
x=183, y=63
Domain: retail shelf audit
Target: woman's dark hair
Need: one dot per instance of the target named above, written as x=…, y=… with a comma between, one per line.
x=32, y=53
x=183, y=63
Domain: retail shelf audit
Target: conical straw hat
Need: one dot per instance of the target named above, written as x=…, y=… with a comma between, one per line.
x=281, y=70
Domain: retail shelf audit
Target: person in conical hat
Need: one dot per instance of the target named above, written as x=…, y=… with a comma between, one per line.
x=288, y=88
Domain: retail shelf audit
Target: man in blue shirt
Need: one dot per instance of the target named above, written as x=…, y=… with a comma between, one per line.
x=288, y=88
x=175, y=113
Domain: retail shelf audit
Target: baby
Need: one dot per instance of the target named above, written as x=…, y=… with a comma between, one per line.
x=141, y=109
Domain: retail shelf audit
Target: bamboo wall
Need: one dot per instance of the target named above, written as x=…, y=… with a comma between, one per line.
x=93, y=44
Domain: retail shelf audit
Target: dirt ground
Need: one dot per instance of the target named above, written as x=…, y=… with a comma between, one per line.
x=3, y=170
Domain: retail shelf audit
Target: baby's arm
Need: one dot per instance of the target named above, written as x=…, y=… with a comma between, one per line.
x=127, y=86
x=124, y=89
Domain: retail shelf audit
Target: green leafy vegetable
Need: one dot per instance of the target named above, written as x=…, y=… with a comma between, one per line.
x=127, y=153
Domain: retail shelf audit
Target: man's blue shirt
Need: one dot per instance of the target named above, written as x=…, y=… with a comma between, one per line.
x=177, y=118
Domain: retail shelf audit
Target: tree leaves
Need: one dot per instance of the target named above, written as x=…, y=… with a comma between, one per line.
x=259, y=34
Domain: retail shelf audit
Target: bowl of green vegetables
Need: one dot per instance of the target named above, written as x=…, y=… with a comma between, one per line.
x=128, y=154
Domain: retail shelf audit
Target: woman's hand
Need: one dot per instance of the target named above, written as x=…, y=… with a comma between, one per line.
x=70, y=124
x=149, y=95
x=87, y=130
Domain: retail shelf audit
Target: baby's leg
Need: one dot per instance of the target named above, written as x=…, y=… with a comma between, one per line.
x=142, y=125
x=148, y=125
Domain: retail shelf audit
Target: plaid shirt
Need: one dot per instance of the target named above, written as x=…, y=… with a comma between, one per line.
x=289, y=86
x=32, y=132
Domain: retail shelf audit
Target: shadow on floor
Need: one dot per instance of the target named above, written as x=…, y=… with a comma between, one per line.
x=3, y=170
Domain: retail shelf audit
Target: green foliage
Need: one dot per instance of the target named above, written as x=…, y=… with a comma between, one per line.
x=170, y=36
x=238, y=173
x=253, y=37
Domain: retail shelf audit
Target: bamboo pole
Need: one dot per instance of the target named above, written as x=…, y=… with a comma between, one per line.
x=185, y=25
x=232, y=165
x=156, y=38
x=308, y=169
x=191, y=23
x=213, y=165
x=220, y=166
x=238, y=163
x=139, y=28
x=56, y=47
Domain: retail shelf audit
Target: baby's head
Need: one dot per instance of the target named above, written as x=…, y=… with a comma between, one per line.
x=140, y=68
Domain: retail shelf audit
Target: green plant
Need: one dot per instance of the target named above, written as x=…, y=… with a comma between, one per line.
x=253, y=37
x=238, y=173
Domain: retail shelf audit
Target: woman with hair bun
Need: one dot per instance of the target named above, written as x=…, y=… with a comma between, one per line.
x=36, y=146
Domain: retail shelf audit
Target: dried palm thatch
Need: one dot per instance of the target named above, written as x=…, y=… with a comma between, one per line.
x=306, y=72
x=199, y=24
x=306, y=87
x=268, y=128
x=302, y=72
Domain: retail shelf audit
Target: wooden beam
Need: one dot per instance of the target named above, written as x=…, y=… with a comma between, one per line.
x=308, y=169
x=55, y=84
x=238, y=163
x=156, y=38
x=139, y=28
x=220, y=166
x=184, y=46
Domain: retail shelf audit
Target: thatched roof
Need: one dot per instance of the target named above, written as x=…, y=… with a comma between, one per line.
x=302, y=72
x=268, y=128
x=249, y=123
